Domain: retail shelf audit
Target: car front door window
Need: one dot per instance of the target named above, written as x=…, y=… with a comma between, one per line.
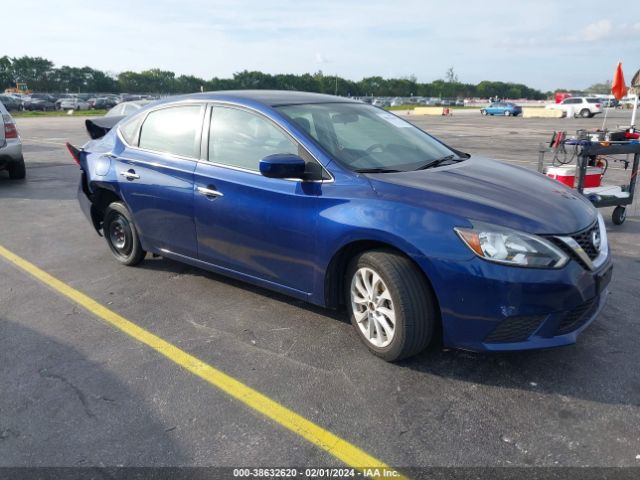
x=241, y=139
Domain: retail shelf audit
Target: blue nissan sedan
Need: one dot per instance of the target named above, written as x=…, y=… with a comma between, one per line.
x=345, y=205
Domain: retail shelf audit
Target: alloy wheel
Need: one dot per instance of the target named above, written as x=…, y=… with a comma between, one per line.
x=373, y=307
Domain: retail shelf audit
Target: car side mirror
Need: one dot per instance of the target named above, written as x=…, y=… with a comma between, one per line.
x=282, y=165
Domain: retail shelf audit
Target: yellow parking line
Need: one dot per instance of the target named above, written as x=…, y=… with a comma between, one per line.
x=331, y=443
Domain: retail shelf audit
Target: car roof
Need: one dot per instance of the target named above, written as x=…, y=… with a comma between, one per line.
x=271, y=98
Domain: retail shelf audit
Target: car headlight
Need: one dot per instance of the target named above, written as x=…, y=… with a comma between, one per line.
x=511, y=247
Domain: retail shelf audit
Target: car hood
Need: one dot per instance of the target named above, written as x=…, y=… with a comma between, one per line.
x=494, y=192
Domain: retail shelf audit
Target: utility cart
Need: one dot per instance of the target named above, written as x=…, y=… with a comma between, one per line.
x=592, y=157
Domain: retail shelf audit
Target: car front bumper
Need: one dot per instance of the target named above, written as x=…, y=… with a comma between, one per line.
x=491, y=307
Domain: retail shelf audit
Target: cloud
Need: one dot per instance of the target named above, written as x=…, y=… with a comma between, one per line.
x=596, y=31
x=321, y=59
x=604, y=30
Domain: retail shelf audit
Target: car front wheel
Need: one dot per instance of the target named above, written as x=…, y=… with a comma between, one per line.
x=121, y=235
x=585, y=113
x=391, y=305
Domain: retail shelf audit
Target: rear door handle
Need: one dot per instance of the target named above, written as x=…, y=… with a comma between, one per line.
x=209, y=191
x=130, y=175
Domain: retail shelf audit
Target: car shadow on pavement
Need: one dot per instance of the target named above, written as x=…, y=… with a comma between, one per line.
x=589, y=370
x=601, y=367
x=175, y=267
x=60, y=408
x=41, y=183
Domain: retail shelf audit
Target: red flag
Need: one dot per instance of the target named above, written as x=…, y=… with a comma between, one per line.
x=618, y=87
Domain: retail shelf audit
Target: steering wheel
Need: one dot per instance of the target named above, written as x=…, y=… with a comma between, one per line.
x=376, y=146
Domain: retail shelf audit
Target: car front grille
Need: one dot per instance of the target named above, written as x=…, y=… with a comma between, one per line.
x=575, y=318
x=582, y=238
x=515, y=329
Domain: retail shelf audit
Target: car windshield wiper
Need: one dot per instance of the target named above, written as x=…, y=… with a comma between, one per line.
x=377, y=170
x=439, y=161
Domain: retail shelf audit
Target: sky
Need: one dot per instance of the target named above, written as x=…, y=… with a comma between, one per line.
x=544, y=44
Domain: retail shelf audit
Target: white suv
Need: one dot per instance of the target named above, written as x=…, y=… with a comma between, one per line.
x=585, y=107
x=10, y=146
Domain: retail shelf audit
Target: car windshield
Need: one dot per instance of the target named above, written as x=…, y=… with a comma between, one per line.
x=365, y=138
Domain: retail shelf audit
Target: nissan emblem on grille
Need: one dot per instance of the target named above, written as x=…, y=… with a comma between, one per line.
x=595, y=239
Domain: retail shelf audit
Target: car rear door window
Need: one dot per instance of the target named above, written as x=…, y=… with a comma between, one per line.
x=172, y=130
x=129, y=129
x=241, y=139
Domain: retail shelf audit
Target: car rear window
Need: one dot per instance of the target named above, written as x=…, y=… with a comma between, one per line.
x=172, y=130
x=594, y=100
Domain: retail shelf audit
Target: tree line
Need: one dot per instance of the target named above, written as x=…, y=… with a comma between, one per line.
x=42, y=75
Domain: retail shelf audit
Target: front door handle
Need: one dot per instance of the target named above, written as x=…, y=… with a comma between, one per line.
x=130, y=175
x=209, y=191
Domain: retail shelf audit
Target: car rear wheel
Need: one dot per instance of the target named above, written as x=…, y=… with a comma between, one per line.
x=585, y=113
x=17, y=170
x=392, y=308
x=121, y=235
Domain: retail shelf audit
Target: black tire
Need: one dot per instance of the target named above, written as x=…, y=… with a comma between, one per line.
x=413, y=302
x=121, y=235
x=619, y=215
x=17, y=170
x=585, y=113
x=483, y=112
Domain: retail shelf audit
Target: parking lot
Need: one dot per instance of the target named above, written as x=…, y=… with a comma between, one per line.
x=78, y=392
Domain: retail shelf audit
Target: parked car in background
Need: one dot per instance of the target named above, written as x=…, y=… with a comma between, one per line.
x=74, y=103
x=381, y=102
x=340, y=204
x=11, y=158
x=610, y=103
x=41, y=102
x=61, y=98
x=126, y=108
x=102, y=103
x=10, y=103
x=19, y=97
x=507, y=109
x=585, y=107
